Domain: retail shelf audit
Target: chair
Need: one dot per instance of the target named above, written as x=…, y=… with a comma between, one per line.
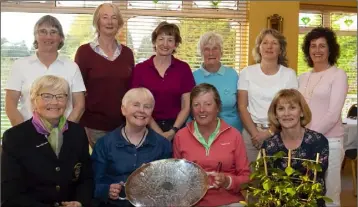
x=352, y=112
x=351, y=154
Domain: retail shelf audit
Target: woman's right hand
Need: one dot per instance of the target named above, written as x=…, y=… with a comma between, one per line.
x=259, y=138
x=114, y=190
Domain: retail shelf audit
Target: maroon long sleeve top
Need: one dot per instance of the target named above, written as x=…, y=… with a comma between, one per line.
x=106, y=83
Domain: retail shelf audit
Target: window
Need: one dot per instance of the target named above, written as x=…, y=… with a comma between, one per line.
x=345, y=26
x=169, y=5
x=141, y=17
x=310, y=20
x=216, y=4
x=80, y=3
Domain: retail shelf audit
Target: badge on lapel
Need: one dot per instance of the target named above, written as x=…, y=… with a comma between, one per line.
x=76, y=171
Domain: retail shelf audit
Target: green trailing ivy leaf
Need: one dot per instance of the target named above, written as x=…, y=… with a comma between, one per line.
x=328, y=200
x=317, y=167
x=267, y=184
x=317, y=187
x=253, y=175
x=279, y=154
x=290, y=191
x=289, y=171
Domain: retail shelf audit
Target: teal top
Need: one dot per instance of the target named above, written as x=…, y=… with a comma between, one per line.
x=225, y=81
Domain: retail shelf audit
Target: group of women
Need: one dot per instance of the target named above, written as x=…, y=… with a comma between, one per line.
x=134, y=114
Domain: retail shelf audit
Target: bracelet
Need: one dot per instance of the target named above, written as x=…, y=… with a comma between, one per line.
x=270, y=132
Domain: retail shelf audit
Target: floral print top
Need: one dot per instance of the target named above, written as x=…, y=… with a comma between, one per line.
x=312, y=143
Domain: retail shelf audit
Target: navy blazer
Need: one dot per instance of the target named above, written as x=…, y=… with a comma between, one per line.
x=33, y=176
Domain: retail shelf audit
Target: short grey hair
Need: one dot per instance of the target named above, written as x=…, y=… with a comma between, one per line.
x=210, y=38
x=137, y=92
x=53, y=22
x=116, y=11
x=52, y=82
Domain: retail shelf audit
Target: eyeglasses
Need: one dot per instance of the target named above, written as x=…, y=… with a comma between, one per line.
x=48, y=97
x=45, y=32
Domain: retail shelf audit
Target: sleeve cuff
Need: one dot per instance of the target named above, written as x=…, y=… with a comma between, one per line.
x=230, y=182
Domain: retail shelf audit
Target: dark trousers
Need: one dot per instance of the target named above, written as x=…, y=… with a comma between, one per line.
x=166, y=124
x=118, y=204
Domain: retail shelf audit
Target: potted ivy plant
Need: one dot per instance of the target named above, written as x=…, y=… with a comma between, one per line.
x=272, y=187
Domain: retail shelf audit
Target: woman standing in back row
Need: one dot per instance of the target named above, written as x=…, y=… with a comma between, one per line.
x=258, y=85
x=49, y=38
x=106, y=67
x=224, y=78
x=168, y=78
x=325, y=89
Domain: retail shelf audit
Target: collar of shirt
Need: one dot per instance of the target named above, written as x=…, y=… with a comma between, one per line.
x=172, y=64
x=149, y=139
x=221, y=70
x=33, y=58
x=200, y=137
x=95, y=46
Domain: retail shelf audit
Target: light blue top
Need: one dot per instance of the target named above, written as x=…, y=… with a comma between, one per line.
x=225, y=81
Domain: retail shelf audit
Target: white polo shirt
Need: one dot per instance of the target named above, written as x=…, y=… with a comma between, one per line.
x=26, y=70
x=262, y=88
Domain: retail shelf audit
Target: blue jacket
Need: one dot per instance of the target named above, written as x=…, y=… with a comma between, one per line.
x=114, y=159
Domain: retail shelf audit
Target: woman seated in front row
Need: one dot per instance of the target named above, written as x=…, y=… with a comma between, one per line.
x=45, y=160
x=289, y=114
x=214, y=145
x=120, y=152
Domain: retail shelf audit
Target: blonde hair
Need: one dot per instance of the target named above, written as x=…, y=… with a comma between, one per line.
x=289, y=96
x=282, y=59
x=210, y=38
x=137, y=92
x=52, y=82
x=96, y=16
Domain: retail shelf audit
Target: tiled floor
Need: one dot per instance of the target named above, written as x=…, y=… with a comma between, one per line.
x=347, y=197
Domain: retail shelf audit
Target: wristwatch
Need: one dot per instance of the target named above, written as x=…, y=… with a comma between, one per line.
x=175, y=129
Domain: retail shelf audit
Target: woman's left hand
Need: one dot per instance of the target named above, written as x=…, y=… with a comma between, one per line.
x=71, y=204
x=220, y=180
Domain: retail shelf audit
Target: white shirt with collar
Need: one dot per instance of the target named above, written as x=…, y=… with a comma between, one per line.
x=95, y=46
x=26, y=70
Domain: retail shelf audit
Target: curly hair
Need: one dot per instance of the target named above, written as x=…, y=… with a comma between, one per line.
x=333, y=46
